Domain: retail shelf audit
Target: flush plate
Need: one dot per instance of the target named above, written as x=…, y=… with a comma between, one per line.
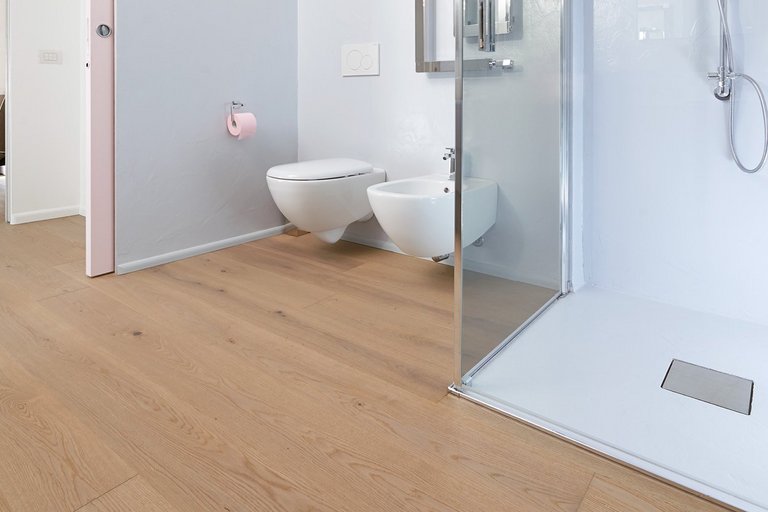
x=710, y=386
x=360, y=59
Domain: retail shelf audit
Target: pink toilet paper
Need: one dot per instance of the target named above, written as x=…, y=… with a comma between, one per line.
x=244, y=126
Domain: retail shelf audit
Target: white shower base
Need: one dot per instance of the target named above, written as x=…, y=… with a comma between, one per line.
x=591, y=369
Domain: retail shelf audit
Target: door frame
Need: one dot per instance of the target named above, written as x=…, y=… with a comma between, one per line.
x=97, y=91
x=8, y=195
x=100, y=140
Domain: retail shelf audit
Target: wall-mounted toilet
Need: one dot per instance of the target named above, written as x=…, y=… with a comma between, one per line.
x=324, y=196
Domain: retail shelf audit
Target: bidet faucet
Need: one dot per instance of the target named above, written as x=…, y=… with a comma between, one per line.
x=450, y=154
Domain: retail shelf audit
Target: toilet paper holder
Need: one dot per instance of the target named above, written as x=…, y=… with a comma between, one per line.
x=232, y=110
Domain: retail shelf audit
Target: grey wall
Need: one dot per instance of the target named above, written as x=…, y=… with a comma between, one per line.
x=183, y=185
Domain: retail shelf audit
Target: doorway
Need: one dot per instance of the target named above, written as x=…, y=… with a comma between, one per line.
x=50, y=111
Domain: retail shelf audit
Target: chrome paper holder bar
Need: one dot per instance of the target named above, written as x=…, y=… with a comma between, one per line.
x=236, y=105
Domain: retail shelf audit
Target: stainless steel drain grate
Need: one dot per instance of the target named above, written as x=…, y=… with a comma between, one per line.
x=716, y=388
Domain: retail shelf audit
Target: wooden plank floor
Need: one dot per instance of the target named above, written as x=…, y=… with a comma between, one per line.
x=282, y=375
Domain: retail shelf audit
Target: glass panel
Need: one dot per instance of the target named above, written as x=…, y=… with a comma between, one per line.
x=511, y=172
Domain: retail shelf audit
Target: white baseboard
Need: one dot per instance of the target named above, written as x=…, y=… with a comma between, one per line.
x=170, y=257
x=53, y=213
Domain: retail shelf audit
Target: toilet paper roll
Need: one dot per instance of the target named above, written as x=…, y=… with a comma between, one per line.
x=244, y=125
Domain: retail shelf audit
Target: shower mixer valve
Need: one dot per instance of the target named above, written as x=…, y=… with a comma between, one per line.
x=724, y=79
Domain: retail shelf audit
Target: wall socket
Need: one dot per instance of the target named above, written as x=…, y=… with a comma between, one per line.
x=50, y=57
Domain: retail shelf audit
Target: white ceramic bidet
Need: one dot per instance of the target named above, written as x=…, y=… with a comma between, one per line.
x=324, y=196
x=418, y=213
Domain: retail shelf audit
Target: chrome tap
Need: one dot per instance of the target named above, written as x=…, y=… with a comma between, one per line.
x=450, y=154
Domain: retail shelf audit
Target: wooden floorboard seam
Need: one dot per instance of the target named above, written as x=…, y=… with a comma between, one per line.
x=105, y=493
x=586, y=491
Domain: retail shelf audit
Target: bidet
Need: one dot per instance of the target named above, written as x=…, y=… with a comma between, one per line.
x=418, y=213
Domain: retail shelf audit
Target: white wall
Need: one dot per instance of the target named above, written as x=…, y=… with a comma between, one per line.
x=3, y=44
x=581, y=101
x=84, y=54
x=183, y=184
x=668, y=214
x=44, y=110
x=401, y=121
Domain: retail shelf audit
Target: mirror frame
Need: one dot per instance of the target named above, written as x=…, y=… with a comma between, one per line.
x=425, y=40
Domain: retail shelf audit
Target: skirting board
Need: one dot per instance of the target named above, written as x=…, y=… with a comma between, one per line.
x=54, y=213
x=170, y=257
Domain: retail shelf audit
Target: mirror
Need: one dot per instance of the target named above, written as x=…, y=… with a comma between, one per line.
x=508, y=19
x=435, y=38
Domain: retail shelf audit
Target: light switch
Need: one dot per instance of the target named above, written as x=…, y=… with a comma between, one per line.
x=360, y=59
x=50, y=57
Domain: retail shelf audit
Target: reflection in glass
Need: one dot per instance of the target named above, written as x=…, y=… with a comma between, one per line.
x=511, y=135
x=652, y=19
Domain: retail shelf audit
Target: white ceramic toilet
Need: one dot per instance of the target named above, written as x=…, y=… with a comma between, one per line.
x=324, y=196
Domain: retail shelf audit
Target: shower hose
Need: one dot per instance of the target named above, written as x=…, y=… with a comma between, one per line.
x=761, y=96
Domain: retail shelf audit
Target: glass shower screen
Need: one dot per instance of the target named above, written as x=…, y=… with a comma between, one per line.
x=511, y=142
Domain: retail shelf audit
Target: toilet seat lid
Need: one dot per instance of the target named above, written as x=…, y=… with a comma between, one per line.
x=320, y=169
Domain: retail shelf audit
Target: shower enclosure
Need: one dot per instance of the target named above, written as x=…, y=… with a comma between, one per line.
x=660, y=362
x=512, y=87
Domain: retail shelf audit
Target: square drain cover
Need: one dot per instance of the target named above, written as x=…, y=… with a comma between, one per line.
x=713, y=387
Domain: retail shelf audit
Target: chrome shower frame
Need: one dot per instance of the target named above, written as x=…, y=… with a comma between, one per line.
x=460, y=377
x=724, y=70
x=528, y=417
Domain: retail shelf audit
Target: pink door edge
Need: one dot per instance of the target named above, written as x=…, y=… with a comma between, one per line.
x=100, y=134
